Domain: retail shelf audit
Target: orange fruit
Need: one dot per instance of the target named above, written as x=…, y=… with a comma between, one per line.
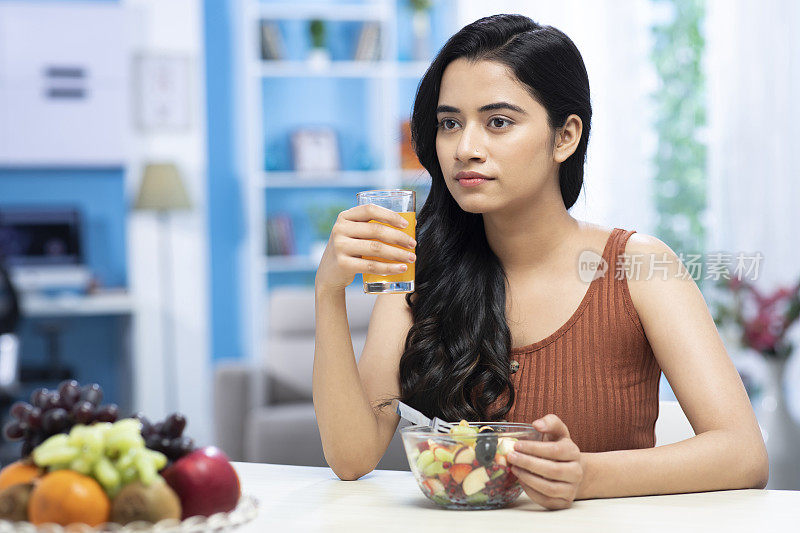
x=65, y=497
x=18, y=472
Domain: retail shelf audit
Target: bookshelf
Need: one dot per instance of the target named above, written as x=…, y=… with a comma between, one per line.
x=377, y=92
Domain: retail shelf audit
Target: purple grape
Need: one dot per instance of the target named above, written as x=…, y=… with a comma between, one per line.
x=27, y=448
x=83, y=412
x=34, y=418
x=158, y=427
x=153, y=441
x=39, y=397
x=20, y=410
x=92, y=393
x=107, y=413
x=174, y=426
x=70, y=393
x=55, y=421
x=147, y=427
x=14, y=430
x=53, y=401
x=184, y=445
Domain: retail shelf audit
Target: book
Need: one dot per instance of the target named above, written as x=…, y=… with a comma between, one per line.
x=369, y=42
x=272, y=47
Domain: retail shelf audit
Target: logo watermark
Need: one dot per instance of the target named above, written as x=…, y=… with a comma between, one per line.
x=714, y=266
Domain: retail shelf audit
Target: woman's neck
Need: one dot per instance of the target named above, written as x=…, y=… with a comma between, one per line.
x=528, y=238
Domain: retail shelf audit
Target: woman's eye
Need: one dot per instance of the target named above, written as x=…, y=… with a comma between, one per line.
x=447, y=124
x=498, y=122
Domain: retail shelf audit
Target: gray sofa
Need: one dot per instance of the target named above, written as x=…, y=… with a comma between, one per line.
x=263, y=412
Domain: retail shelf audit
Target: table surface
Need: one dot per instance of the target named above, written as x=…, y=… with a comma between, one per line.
x=300, y=498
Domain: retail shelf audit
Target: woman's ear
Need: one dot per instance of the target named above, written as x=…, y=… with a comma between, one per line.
x=567, y=138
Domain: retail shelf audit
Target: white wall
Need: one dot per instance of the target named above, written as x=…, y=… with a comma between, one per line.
x=172, y=27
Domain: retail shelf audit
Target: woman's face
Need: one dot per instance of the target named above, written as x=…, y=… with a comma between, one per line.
x=489, y=123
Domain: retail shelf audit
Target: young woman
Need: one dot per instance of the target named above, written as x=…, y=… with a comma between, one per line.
x=503, y=323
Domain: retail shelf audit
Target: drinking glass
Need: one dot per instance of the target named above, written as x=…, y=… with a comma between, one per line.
x=401, y=201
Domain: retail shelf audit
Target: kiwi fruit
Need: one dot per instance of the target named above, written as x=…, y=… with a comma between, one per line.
x=150, y=503
x=14, y=502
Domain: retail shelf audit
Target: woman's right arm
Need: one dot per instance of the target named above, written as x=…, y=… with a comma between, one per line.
x=355, y=436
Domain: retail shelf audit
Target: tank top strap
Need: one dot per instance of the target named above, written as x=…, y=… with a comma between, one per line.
x=618, y=273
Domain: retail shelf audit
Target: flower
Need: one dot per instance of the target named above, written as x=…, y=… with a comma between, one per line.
x=763, y=319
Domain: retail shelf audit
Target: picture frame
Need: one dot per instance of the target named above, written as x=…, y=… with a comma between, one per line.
x=315, y=150
x=163, y=92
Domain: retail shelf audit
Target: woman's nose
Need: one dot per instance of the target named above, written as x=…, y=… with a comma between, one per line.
x=469, y=146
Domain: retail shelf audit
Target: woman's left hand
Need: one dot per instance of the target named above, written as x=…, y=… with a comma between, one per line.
x=550, y=471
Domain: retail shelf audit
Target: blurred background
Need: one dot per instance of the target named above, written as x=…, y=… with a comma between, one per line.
x=170, y=171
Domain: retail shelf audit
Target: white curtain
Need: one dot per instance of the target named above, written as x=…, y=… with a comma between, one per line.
x=614, y=40
x=753, y=76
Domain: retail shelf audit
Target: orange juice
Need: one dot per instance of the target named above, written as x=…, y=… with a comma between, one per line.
x=408, y=275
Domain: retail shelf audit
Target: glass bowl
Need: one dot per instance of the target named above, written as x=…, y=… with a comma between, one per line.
x=466, y=469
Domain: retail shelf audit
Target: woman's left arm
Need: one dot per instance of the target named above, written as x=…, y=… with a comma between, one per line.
x=727, y=451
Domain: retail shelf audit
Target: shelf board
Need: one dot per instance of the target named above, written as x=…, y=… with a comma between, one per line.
x=340, y=69
x=341, y=12
x=332, y=69
x=342, y=179
x=288, y=263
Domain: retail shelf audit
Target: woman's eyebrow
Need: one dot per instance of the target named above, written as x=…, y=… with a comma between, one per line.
x=488, y=107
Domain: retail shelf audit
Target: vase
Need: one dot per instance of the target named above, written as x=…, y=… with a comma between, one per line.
x=780, y=431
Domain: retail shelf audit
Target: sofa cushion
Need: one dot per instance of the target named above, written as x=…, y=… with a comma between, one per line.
x=289, y=342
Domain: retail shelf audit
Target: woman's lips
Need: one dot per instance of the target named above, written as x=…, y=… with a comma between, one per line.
x=471, y=179
x=471, y=182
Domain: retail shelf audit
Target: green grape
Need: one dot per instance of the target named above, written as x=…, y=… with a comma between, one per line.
x=83, y=465
x=108, y=477
x=158, y=458
x=126, y=460
x=147, y=471
x=128, y=475
x=56, y=441
x=52, y=454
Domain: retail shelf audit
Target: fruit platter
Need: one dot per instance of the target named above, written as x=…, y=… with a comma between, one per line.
x=84, y=466
x=467, y=467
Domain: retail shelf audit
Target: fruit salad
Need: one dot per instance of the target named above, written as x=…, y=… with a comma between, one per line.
x=467, y=468
x=83, y=463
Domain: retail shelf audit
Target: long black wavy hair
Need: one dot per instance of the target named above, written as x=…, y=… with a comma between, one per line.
x=455, y=362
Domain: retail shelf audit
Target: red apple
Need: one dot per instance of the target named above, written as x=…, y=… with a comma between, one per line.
x=205, y=482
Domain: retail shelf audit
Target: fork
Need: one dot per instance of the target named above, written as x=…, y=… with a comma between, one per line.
x=414, y=416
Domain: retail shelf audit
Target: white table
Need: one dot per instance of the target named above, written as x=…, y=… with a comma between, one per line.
x=299, y=498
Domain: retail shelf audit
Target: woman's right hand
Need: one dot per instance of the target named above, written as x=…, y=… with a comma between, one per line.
x=351, y=238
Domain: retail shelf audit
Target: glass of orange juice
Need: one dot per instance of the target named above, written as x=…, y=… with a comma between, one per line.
x=403, y=202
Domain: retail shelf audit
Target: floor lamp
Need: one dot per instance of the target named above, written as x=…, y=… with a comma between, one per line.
x=163, y=192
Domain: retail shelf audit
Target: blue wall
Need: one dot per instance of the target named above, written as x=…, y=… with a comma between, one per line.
x=225, y=212
x=97, y=194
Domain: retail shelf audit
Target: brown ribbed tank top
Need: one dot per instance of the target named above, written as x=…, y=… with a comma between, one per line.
x=597, y=372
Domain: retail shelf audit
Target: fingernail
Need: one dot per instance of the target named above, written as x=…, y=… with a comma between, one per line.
x=412, y=243
x=513, y=455
x=539, y=424
x=403, y=268
x=404, y=223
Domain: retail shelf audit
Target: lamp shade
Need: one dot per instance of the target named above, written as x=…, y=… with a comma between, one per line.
x=162, y=189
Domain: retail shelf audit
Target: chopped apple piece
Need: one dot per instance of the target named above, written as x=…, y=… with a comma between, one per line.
x=465, y=455
x=475, y=481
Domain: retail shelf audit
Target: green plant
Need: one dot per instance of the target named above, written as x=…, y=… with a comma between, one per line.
x=420, y=5
x=317, y=30
x=323, y=218
x=680, y=161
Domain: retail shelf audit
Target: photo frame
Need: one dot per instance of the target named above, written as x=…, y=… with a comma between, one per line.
x=163, y=92
x=315, y=150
